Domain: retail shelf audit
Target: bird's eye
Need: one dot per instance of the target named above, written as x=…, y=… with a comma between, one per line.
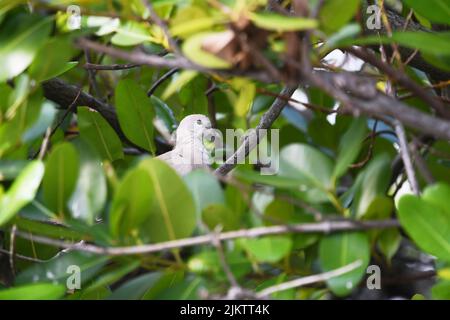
x=199, y=121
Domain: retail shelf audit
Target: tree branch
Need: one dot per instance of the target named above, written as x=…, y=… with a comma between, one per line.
x=252, y=139
x=320, y=227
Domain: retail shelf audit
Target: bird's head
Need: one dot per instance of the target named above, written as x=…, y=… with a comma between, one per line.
x=194, y=126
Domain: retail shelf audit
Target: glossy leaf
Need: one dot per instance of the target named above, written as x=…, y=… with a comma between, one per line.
x=349, y=146
x=132, y=202
x=95, y=130
x=339, y=250
x=426, y=223
x=22, y=191
x=308, y=165
x=90, y=192
x=135, y=112
x=21, y=37
x=52, y=59
x=170, y=219
x=61, y=175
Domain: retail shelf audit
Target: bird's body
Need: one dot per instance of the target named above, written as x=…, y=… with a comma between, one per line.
x=189, y=152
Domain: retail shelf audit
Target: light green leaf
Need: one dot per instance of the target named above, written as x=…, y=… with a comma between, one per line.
x=336, y=13
x=205, y=188
x=38, y=291
x=268, y=249
x=22, y=191
x=349, y=146
x=95, y=130
x=307, y=164
x=434, y=10
x=131, y=33
x=21, y=37
x=61, y=175
x=340, y=249
x=427, y=224
x=192, y=48
x=135, y=112
x=281, y=23
x=131, y=204
x=247, y=90
x=178, y=82
x=389, y=242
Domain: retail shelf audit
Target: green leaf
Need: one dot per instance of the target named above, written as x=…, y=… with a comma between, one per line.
x=427, y=224
x=268, y=249
x=55, y=270
x=247, y=90
x=434, y=10
x=131, y=204
x=90, y=192
x=52, y=59
x=436, y=43
x=61, y=175
x=441, y=290
x=109, y=277
x=349, y=146
x=340, y=249
x=21, y=37
x=135, y=112
x=22, y=191
x=38, y=291
x=336, y=13
x=283, y=212
x=131, y=33
x=281, y=23
x=140, y=286
x=173, y=211
x=178, y=82
x=205, y=188
x=438, y=194
x=192, y=48
x=218, y=214
x=96, y=130
x=307, y=164
x=370, y=184
x=208, y=262
x=389, y=242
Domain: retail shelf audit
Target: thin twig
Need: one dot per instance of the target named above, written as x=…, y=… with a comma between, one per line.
x=125, y=66
x=48, y=135
x=163, y=78
x=320, y=227
x=21, y=257
x=223, y=261
x=12, y=249
x=321, y=277
x=406, y=156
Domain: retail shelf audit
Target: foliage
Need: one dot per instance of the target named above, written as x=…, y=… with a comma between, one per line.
x=80, y=165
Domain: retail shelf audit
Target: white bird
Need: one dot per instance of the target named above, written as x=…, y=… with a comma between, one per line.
x=189, y=152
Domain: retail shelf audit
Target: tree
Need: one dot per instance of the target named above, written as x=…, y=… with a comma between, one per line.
x=91, y=93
